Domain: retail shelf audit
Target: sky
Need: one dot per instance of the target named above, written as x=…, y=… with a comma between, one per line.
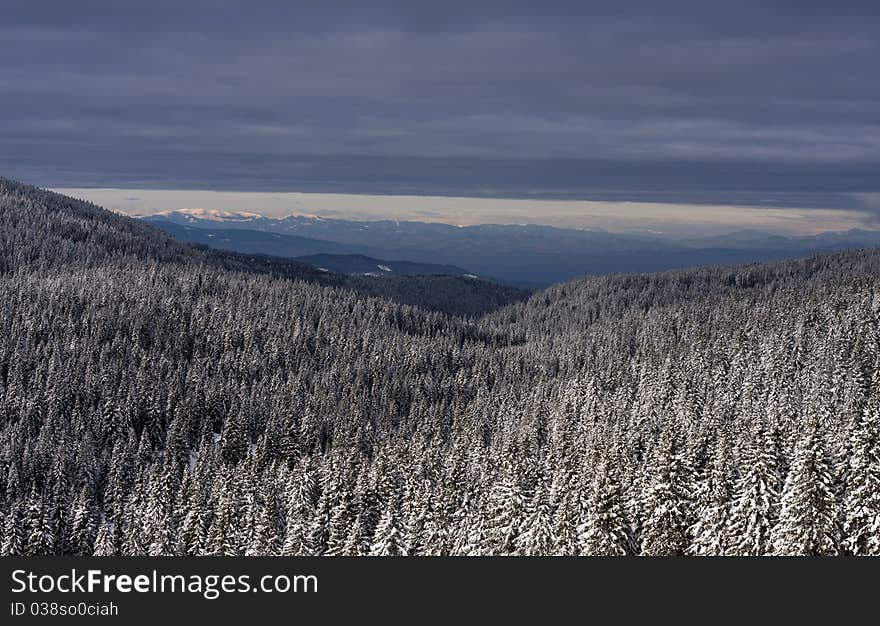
x=662, y=218
x=725, y=104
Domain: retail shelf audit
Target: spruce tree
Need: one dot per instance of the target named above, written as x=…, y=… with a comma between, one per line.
x=40, y=537
x=807, y=523
x=606, y=530
x=14, y=532
x=388, y=540
x=104, y=542
x=537, y=537
x=710, y=532
x=83, y=526
x=667, y=504
x=861, y=529
x=756, y=502
x=506, y=507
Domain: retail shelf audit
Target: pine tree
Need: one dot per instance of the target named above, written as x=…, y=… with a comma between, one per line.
x=339, y=528
x=295, y=525
x=862, y=520
x=264, y=534
x=537, y=537
x=40, y=540
x=388, y=540
x=105, y=545
x=83, y=530
x=471, y=538
x=317, y=531
x=189, y=537
x=135, y=542
x=506, y=507
x=222, y=538
x=808, y=520
x=755, y=508
x=710, y=532
x=356, y=543
x=606, y=530
x=158, y=523
x=13, y=535
x=565, y=520
x=668, y=506
x=233, y=443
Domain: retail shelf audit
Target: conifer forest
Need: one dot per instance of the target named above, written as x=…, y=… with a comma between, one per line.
x=158, y=398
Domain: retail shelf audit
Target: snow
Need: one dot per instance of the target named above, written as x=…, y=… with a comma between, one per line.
x=215, y=215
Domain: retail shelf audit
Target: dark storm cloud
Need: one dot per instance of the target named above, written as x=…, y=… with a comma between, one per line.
x=211, y=92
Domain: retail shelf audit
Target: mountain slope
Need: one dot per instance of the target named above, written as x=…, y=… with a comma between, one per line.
x=252, y=241
x=360, y=264
x=757, y=240
x=337, y=257
x=40, y=230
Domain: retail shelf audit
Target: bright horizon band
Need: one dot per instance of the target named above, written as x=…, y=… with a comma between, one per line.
x=649, y=217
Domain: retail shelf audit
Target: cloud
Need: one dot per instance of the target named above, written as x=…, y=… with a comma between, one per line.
x=173, y=93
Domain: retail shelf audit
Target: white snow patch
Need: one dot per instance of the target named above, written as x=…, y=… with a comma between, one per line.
x=215, y=215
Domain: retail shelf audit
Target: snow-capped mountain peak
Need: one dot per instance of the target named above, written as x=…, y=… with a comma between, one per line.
x=215, y=215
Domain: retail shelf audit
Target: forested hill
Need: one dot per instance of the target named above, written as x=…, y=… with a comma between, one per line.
x=153, y=401
x=571, y=307
x=41, y=230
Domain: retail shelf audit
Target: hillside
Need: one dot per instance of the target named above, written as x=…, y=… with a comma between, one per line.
x=370, y=266
x=337, y=257
x=251, y=241
x=161, y=399
x=46, y=231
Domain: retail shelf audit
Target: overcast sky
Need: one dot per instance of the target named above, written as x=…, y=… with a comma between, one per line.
x=773, y=103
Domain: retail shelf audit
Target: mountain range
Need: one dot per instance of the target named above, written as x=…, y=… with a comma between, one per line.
x=524, y=255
